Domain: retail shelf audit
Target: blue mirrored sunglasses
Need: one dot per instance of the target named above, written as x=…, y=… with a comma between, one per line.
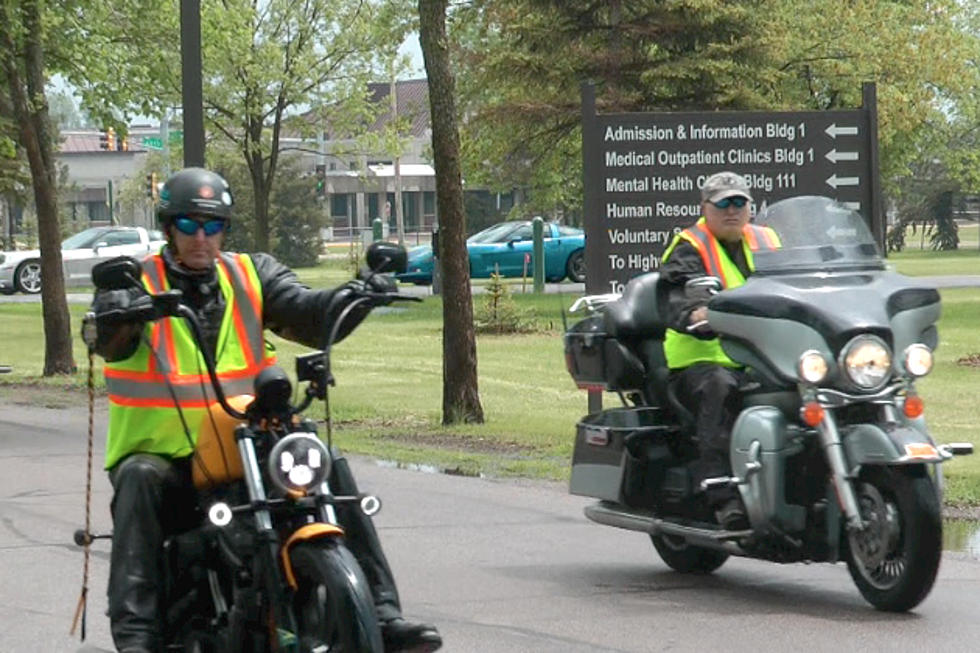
x=189, y=226
x=737, y=202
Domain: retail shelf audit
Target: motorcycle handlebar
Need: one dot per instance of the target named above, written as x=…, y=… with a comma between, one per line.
x=149, y=308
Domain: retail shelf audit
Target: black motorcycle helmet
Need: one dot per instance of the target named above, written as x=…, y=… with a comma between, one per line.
x=194, y=190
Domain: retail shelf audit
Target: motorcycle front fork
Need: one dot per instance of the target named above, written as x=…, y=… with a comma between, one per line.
x=840, y=475
x=263, y=522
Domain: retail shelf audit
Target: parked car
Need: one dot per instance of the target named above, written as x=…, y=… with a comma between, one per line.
x=504, y=246
x=21, y=270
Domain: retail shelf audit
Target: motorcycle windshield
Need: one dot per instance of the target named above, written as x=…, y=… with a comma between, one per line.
x=816, y=234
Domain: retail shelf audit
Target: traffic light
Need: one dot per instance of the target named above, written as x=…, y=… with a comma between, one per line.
x=107, y=139
x=321, y=180
x=122, y=144
x=151, y=186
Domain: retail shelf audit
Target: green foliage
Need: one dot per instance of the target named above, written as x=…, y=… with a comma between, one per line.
x=297, y=219
x=497, y=312
x=523, y=60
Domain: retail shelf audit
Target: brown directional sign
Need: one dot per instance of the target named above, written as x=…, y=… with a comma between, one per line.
x=643, y=172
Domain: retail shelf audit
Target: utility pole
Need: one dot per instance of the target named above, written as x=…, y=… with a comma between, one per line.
x=191, y=86
x=165, y=137
x=399, y=218
x=112, y=212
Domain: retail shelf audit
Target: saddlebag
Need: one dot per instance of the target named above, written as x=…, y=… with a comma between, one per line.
x=599, y=362
x=622, y=454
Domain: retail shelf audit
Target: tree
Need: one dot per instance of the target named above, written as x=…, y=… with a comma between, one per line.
x=460, y=394
x=22, y=59
x=264, y=62
x=523, y=60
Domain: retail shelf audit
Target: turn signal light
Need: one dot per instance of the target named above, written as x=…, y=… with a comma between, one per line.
x=913, y=406
x=811, y=413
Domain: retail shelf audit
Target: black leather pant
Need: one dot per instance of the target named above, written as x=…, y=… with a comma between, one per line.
x=154, y=498
x=711, y=393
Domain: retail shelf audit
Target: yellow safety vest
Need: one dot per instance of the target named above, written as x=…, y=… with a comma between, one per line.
x=149, y=390
x=682, y=349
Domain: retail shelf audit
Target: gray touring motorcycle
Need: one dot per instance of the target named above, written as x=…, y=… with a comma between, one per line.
x=830, y=452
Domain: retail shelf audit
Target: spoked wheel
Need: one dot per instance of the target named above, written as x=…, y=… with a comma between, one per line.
x=333, y=604
x=895, y=559
x=687, y=558
x=27, y=278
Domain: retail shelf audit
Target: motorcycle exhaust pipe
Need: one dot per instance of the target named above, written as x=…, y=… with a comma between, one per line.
x=644, y=523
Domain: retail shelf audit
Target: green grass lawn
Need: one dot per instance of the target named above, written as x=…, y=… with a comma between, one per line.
x=388, y=398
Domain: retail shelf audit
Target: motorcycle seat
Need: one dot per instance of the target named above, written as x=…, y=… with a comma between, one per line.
x=637, y=320
x=637, y=314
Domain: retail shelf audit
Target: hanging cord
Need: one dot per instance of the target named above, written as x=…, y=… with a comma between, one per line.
x=180, y=412
x=81, y=608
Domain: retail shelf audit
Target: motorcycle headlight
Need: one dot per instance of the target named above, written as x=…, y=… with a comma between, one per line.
x=812, y=366
x=866, y=361
x=918, y=360
x=299, y=462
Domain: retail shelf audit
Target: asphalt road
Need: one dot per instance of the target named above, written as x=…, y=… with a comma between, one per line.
x=500, y=566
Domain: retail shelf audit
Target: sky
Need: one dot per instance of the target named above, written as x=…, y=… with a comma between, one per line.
x=412, y=48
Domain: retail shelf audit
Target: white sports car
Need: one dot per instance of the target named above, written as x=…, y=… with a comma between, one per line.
x=21, y=270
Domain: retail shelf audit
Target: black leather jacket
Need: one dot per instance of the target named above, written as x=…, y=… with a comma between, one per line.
x=289, y=308
x=684, y=264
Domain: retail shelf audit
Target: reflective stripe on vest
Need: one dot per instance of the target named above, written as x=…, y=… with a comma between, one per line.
x=144, y=387
x=682, y=349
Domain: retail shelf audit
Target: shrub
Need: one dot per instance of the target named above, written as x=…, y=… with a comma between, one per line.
x=498, y=313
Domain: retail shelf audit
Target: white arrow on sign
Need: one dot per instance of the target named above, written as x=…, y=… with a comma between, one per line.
x=835, y=156
x=834, y=181
x=834, y=131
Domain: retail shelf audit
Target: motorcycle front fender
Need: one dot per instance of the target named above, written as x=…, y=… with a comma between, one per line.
x=309, y=532
x=889, y=444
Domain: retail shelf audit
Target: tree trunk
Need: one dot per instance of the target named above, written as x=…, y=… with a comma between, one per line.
x=25, y=80
x=460, y=393
x=260, y=202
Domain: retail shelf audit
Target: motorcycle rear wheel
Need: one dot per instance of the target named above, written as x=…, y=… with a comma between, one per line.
x=687, y=558
x=333, y=604
x=894, y=560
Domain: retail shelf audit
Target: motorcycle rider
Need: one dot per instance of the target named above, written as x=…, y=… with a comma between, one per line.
x=147, y=450
x=705, y=380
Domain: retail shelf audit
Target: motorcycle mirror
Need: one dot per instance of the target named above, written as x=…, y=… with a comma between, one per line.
x=117, y=273
x=702, y=288
x=386, y=257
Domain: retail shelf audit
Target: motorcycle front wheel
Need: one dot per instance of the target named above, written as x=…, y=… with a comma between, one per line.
x=687, y=558
x=332, y=602
x=894, y=560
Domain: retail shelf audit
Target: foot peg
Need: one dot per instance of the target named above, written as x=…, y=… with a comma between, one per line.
x=717, y=482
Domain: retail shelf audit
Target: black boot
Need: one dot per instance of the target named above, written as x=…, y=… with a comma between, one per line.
x=143, y=485
x=409, y=636
x=731, y=515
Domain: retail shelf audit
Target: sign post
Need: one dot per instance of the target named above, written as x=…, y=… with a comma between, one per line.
x=643, y=173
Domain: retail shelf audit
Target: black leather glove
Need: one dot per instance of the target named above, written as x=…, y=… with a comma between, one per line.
x=382, y=283
x=111, y=301
x=117, y=337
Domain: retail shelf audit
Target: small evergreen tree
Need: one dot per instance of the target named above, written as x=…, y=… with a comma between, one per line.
x=499, y=313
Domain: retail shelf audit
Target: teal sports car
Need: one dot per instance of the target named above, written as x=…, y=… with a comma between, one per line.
x=509, y=247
